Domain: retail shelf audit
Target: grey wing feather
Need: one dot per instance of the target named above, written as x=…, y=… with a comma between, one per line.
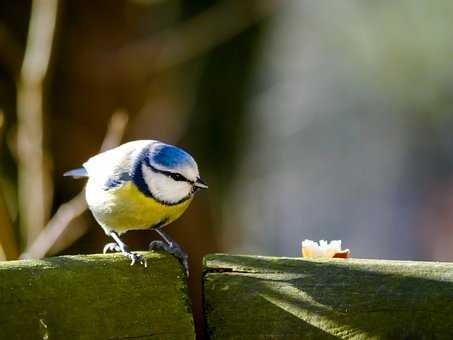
x=77, y=173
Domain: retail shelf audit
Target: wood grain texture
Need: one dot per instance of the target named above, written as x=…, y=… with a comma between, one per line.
x=251, y=297
x=94, y=297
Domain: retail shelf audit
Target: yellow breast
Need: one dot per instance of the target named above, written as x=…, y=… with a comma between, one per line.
x=126, y=208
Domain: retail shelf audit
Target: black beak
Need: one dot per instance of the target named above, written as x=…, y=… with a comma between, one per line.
x=200, y=184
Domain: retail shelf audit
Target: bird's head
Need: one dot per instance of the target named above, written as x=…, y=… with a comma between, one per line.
x=170, y=174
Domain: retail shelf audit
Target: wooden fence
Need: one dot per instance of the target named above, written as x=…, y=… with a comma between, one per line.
x=250, y=297
x=245, y=297
x=94, y=297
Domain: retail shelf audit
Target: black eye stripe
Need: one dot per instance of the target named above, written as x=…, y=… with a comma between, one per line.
x=175, y=176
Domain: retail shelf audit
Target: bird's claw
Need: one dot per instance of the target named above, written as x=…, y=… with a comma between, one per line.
x=135, y=258
x=158, y=245
x=174, y=249
x=111, y=247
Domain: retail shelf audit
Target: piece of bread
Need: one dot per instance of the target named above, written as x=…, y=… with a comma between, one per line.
x=324, y=249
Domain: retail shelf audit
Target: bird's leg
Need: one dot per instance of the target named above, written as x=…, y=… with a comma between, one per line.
x=170, y=246
x=120, y=246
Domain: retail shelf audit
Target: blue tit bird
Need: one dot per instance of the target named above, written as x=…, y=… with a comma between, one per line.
x=144, y=184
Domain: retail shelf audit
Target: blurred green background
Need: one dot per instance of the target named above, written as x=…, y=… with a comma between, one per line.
x=309, y=119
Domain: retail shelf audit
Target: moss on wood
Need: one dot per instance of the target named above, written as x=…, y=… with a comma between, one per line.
x=250, y=297
x=94, y=297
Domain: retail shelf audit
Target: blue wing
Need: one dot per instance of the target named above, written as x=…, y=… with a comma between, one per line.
x=116, y=180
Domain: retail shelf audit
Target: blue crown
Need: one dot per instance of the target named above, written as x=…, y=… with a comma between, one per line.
x=171, y=156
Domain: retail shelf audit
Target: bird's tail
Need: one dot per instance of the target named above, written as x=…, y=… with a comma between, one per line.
x=77, y=173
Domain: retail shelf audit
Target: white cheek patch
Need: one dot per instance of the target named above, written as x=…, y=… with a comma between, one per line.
x=164, y=188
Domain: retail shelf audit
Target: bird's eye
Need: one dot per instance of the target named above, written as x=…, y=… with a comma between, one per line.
x=177, y=177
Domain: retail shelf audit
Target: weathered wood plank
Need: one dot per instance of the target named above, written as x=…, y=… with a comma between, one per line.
x=250, y=297
x=94, y=297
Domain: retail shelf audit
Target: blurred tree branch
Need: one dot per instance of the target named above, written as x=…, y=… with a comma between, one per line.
x=70, y=210
x=34, y=180
x=195, y=36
